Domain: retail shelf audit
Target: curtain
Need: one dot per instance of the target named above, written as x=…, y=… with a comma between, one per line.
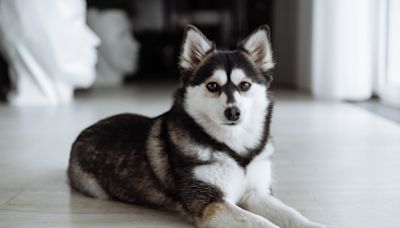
x=342, y=63
x=388, y=83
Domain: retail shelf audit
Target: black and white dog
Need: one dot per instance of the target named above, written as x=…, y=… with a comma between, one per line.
x=208, y=157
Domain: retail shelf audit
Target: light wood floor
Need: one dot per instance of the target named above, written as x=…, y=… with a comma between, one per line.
x=335, y=163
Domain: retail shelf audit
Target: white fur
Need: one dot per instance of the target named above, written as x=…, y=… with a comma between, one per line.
x=271, y=208
x=249, y=188
x=220, y=77
x=208, y=112
x=258, y=172
x=256, y=41
x=224, y=173
x=237, y=76
x=232, y=179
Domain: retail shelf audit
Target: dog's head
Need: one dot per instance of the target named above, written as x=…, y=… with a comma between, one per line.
x=226, y=88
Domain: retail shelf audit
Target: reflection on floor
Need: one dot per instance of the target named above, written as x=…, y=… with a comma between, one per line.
x=334, y=162
x=379, y=108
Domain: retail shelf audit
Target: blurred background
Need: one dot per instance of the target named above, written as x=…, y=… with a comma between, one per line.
x=341, y=50
x=65, y=64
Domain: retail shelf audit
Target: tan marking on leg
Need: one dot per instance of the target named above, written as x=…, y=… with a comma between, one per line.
x=211, y=210
x=225, y=214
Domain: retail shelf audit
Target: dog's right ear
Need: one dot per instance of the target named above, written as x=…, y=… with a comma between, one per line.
x=258, y=48
x=194, y=48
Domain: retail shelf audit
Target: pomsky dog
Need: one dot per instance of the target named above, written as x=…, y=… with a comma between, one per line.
x=208, y=157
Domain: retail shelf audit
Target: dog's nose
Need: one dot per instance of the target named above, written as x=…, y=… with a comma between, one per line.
x=232, y=113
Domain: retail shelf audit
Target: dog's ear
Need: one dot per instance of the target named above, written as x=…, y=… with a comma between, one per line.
x=258, y=47
x=194, y=48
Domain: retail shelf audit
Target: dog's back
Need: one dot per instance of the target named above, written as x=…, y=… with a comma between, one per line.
x=108, y=160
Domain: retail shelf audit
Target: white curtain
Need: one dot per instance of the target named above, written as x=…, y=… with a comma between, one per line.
x=342, y=64
x=388, y=83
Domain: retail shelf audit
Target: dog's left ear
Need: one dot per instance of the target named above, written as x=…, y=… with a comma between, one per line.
x=258, y=47
x=194, y=48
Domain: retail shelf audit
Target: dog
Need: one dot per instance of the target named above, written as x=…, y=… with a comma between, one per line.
x=209, y=157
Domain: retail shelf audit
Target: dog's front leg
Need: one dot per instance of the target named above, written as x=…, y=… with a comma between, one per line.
x=275, y=210
x=224, y=214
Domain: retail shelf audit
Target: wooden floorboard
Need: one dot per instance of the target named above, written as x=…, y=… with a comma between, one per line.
x=336, y=163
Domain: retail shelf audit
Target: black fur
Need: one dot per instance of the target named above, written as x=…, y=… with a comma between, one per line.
x=115, y=151
x=226, y=60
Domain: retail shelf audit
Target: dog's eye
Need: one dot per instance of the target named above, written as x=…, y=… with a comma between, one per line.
x=244, y=86
x=212, y=87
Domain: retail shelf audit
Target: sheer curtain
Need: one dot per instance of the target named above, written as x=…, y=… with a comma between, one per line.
x=354, y=49
x=342, y=63
x=389, y=74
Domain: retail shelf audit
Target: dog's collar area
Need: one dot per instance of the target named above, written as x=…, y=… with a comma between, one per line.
x=198, y=133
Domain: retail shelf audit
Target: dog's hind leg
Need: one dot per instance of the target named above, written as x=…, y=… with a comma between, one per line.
x=273, y=209
x=224, y=214
x=85, y=183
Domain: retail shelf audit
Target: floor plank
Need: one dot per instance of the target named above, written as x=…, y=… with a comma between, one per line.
x=334, y=162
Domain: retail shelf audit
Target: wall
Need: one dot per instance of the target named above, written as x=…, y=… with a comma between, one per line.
x=284, y=38
x=304, y=44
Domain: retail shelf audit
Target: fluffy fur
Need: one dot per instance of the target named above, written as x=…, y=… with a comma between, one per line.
x=208, y=157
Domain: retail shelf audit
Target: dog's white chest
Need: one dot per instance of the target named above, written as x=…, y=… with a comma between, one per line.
x=234, y=180
x=225, y=174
